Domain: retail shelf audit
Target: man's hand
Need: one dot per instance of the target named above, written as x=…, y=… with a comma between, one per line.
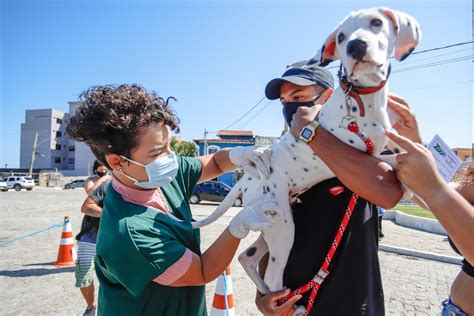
x=408, y=127
x=268, y=304
x=252, y=159
x=304, y=115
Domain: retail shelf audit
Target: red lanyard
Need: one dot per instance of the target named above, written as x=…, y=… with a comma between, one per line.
x=318, y=279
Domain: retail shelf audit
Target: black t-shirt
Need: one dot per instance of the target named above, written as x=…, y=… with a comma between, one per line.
x=354, y=284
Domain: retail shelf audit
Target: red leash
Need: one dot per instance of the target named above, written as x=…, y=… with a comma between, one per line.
x=318, y=279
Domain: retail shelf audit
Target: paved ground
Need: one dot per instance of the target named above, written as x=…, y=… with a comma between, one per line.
x=30, y=284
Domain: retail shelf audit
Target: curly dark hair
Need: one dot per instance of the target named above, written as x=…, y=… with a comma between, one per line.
x=111, y=118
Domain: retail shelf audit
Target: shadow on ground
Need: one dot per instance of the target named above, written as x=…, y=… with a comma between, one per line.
x=22, y=273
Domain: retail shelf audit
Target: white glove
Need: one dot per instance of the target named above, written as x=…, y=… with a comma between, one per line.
x=253, y=218
x=252, y=159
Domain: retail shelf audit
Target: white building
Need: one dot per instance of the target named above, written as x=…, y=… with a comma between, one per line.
x=55, y=150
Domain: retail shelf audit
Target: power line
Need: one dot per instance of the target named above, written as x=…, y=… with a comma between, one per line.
x=428, y=50
x=432, y=87
x=442, y=62
x=256, y=114
x=245, y=114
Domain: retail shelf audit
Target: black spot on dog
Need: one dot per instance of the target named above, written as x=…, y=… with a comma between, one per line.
x=302, y=179
x=288, y=185
x=297, y=141
x=245, y=190
x=273, y=195
x=341, y=107
x=396, y=150
x=250, y=178
x=251, y=251
x=294, y=158
x=294, y=184
x=240, y=189
x=314, y=158
x=374, y=124
x=271, y=170
x=264, y=190
x=305, y=169
x=252, y=164
x=268, y=188
x=273, y=259
x=293, y=145
x=286, y=221
x=286, y=172
x=351, y=141
x=291, y=180
x=365, y=124
x=274, y=185
x=370, y=106
x=354, y=108
x=321, y=114
x=331, y=129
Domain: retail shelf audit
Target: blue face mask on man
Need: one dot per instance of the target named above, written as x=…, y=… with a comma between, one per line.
x=160, y=172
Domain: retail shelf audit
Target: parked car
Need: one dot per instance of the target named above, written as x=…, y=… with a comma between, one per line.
x=214, y=191
x=3, y=186
x=18, y=183
x=75, y=184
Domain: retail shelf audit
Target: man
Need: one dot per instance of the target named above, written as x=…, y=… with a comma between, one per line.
x=354, y=285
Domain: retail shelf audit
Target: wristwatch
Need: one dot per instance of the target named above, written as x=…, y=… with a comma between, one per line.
x=307, y=133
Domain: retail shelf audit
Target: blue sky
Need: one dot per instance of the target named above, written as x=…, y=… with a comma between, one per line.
x=215, y=57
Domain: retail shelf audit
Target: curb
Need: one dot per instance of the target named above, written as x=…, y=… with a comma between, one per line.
x=415, y=222
x=421, y=254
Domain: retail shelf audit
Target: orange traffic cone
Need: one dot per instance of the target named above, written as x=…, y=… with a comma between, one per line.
x=67, y=251
x=223, y=302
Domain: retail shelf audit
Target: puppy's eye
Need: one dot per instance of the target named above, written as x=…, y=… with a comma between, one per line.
x=340, y=38
x=376, y=23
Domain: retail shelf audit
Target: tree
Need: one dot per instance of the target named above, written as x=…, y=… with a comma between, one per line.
x=183, y=148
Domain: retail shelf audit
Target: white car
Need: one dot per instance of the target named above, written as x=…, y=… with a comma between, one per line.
x=3, y=186
x=18, y=183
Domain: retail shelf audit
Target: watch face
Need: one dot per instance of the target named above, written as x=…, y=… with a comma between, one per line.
x=306, y=133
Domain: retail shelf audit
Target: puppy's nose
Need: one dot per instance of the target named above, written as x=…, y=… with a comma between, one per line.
x=357, y=49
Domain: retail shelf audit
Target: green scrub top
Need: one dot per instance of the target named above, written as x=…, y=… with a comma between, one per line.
x=136, y=244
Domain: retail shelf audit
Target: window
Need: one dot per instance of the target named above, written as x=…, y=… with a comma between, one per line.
x=57, y=159
x=71, y=161
x=212, y=149
x=58, y=146
x=72, y=148
x=59, y=121
x=59, y=134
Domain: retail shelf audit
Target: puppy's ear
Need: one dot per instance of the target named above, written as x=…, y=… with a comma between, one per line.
x=327, y=53
x=407, y=32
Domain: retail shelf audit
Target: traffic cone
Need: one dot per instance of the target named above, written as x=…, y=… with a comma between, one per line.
x=223, y=302
x=67, y=251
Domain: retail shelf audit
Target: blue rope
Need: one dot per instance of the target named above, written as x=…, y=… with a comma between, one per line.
x=3, y=244
x=225, y=294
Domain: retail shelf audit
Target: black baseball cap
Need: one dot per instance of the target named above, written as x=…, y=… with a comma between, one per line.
x=301, y=74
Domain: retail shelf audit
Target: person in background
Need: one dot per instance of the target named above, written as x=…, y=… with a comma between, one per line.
x=381, y=211
x=86, y=239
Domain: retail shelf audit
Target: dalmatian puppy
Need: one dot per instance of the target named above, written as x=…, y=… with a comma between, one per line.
x=363, y=42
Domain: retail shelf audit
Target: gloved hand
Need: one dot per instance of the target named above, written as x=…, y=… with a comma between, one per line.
x=253, y=218
x=252, y=159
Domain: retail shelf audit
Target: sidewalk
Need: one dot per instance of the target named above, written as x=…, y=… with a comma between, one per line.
x=400, y=236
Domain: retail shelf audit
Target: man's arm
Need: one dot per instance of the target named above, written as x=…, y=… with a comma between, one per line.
x=91, y=208
x=369, y=177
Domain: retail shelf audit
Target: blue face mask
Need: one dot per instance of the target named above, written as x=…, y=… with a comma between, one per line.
x=160, y=172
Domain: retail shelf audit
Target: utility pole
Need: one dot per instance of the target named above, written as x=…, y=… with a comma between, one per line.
x=33, y=155
x=205, y=142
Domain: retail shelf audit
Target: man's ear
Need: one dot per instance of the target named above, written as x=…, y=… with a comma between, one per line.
x=407, y=32
x=326, y=54
x=325, y=96
x=115, y=161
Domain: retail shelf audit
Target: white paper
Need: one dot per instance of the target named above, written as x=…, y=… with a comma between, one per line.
x=446, y=160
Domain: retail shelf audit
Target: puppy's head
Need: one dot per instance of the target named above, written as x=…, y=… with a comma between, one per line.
x=365, y=40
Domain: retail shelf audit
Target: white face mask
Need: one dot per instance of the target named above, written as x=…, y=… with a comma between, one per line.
x=160, y=172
